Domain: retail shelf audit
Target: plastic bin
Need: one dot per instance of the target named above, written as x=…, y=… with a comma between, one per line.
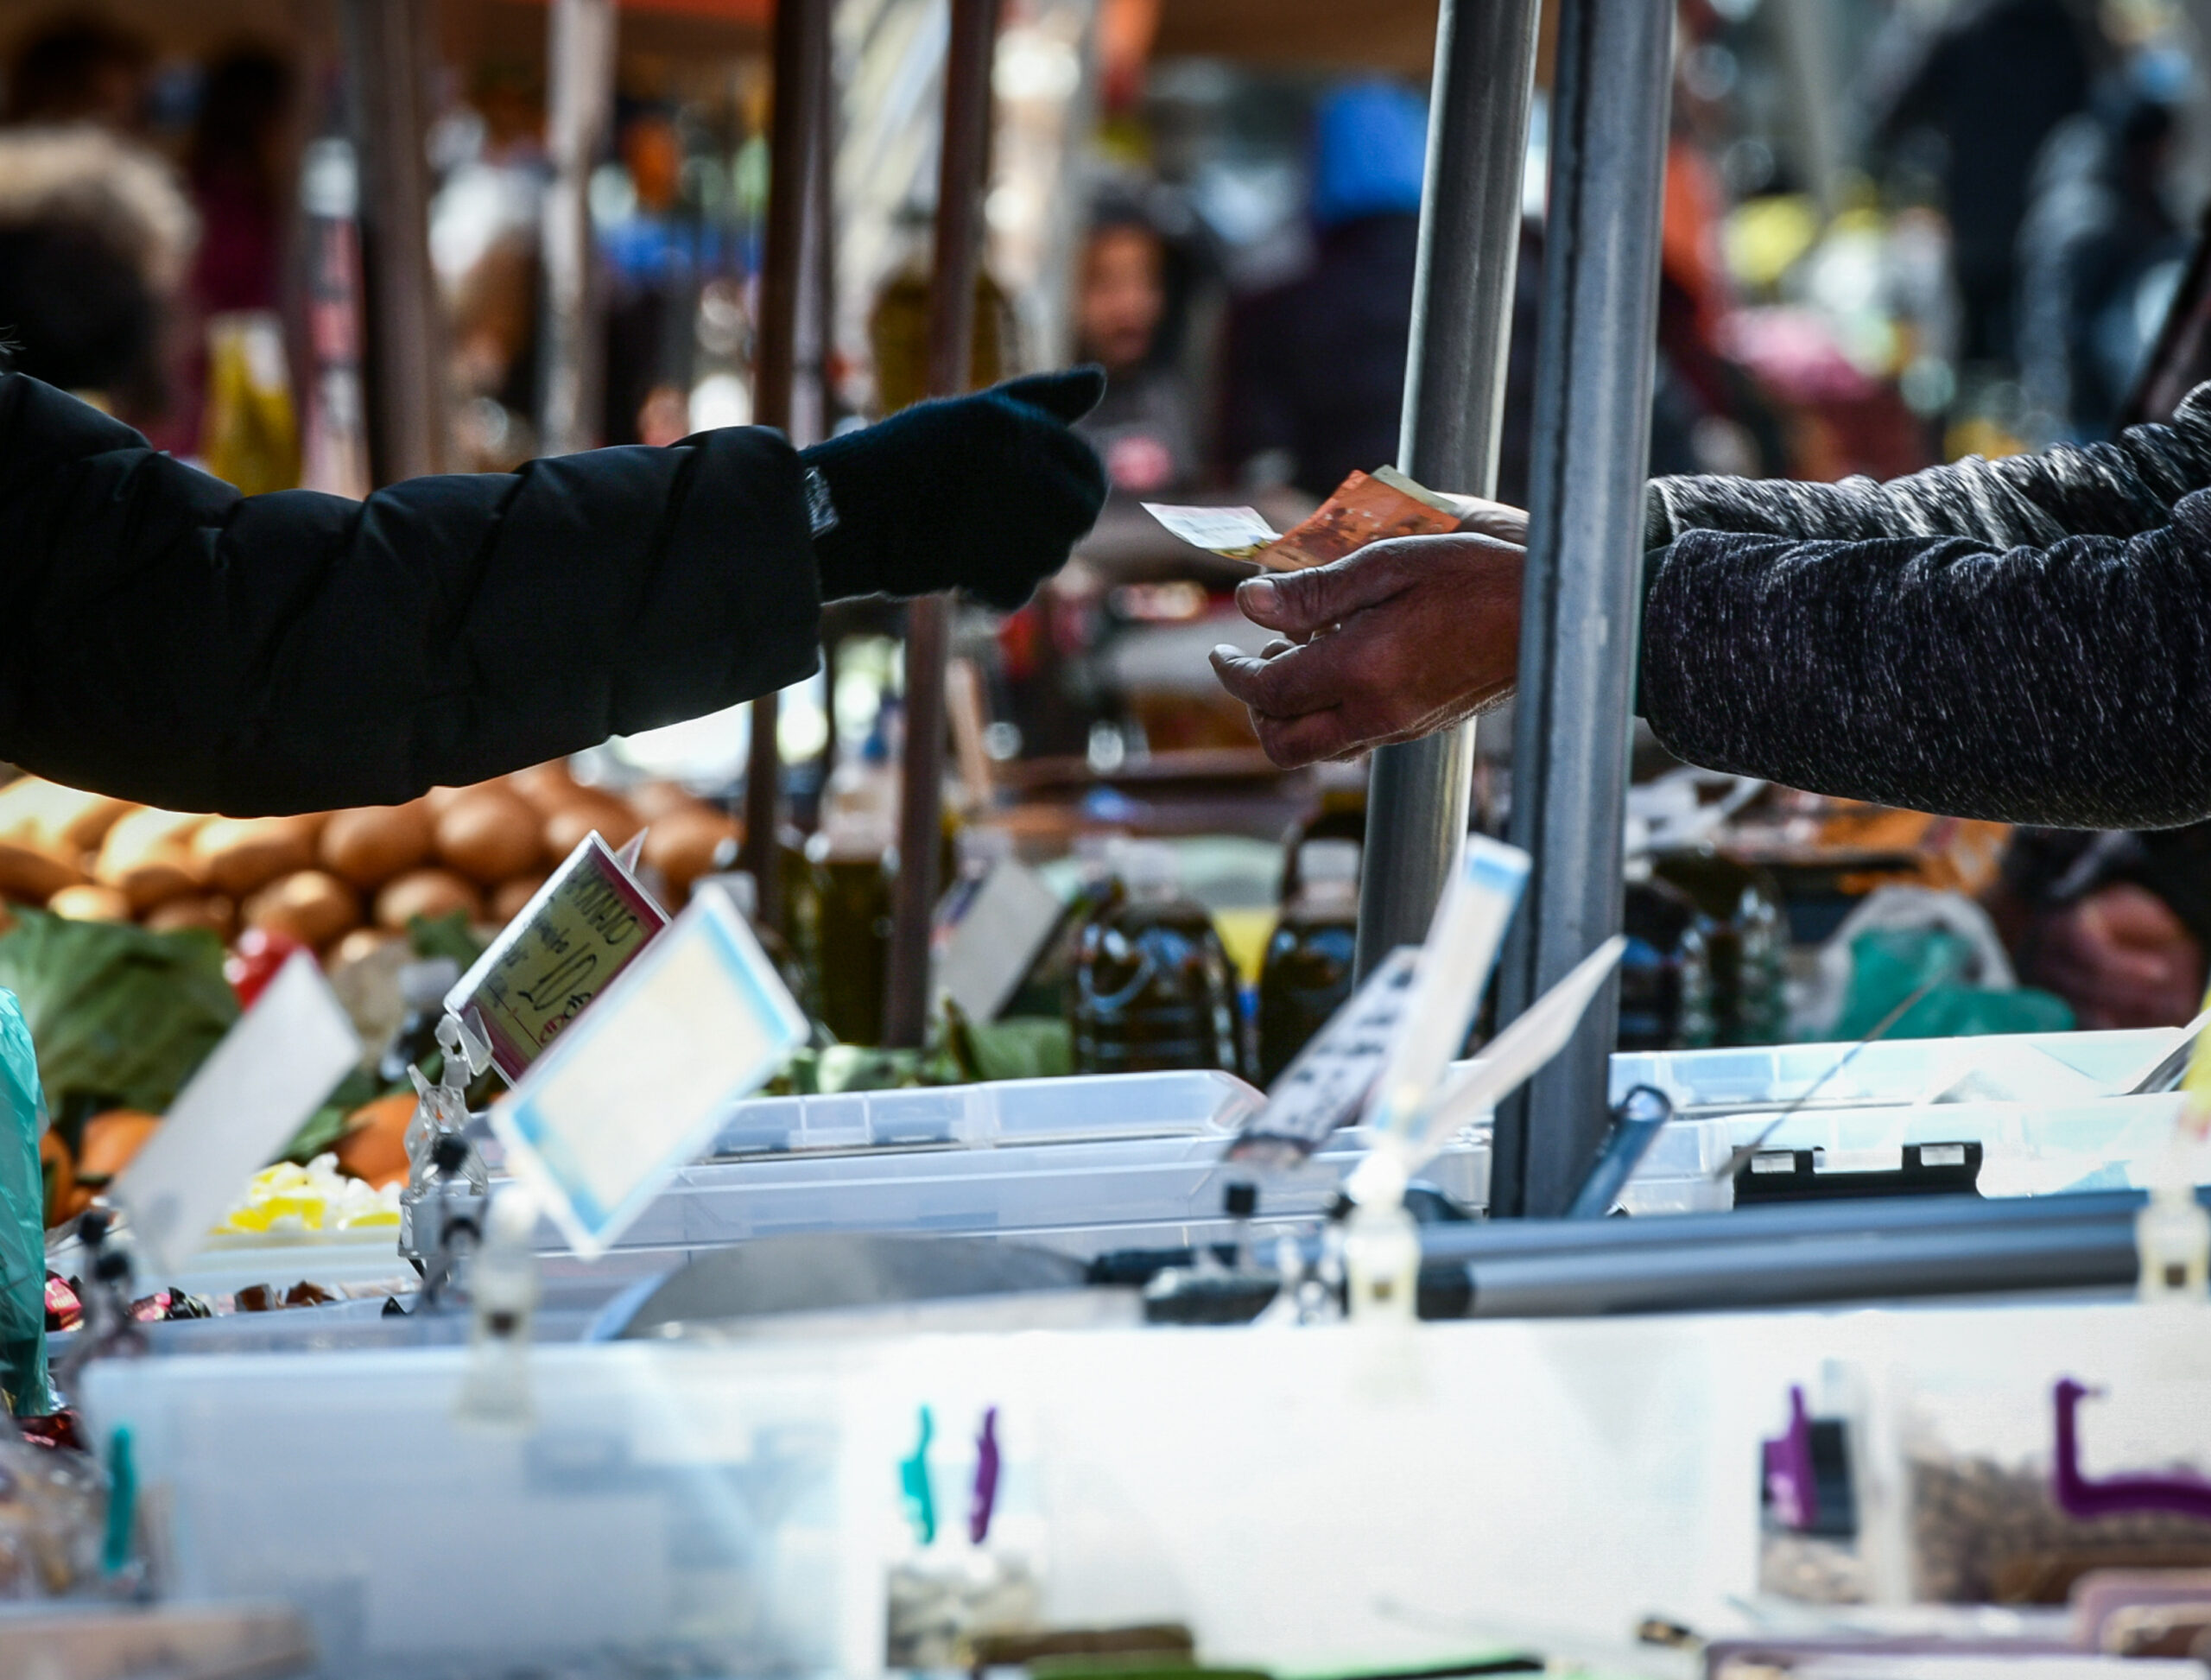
x=2064, y=1067
x=645, y=1523
x=1198, y=1102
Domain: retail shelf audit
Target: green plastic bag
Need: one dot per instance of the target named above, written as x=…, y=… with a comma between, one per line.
x=23, y=1223
x=1887, y=965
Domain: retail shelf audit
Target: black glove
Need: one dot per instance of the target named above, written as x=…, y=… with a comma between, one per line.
x=983, y=493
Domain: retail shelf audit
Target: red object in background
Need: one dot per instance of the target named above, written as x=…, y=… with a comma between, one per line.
x=63, y=1310
x=254, y=960
x=58, y=1431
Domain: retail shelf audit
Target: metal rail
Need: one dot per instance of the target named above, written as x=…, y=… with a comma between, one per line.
x=1582, y=597
x=796, y=161
x=1455, y=404
x=388, y=44
x=580, y=107
x=963, y=161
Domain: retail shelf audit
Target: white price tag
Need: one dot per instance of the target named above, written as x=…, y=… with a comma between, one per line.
x=996, y=939
x=635, y=1087
x=248, y=1097
x=1327, y=1083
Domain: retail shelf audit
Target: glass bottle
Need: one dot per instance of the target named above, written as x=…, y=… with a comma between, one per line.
x=1308, y=972
x=1153, y=986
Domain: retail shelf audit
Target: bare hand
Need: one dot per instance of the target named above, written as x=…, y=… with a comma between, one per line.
x=2121, y=958
x=1388, y=644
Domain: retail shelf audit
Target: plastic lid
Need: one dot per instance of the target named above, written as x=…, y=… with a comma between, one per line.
x=1150, y=866
x=1321, y=860
x=423, y=985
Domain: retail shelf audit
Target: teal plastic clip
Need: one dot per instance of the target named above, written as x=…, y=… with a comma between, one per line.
x=913, y=1484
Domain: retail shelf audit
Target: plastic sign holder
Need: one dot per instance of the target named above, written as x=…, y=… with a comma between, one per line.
x=640, y=1084
x=252, y=1093
x=587, y=924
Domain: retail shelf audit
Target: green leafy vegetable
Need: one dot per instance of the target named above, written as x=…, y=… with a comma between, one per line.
x=120, y=1017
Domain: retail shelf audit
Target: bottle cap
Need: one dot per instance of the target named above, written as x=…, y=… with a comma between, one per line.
x=423, y=985
x=1328, y=860
x=744, y=893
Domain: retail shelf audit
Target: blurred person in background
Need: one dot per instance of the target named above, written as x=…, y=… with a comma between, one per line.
x=80, y=69
x=1315, y=368
x=2116, y=923
x=94, y=241
x=1145, y=430
x=1980, y=91
x=2099, y=253
x=238, y=164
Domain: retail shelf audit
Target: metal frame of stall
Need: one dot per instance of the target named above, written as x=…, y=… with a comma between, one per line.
x=1582, y=587
x=1594, y=373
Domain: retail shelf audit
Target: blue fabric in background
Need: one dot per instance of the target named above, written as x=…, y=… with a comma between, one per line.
x=1369, y=150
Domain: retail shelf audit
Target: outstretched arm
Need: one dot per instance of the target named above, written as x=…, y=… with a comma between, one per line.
x=165, y=639
x=2066, y=686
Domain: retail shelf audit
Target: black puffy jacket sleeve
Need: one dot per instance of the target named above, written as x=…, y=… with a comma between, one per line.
x=166, y=639
x=2027, y=640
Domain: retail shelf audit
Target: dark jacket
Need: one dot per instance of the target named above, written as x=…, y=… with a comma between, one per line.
x=165, y=639
x=2027, y=640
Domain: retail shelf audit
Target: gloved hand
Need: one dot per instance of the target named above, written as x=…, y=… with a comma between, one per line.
x=983, y=493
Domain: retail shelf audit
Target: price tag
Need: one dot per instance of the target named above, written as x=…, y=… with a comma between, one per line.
x=996, y=939
x=248, y=1097
x=587, y=924
x=637, y=1087
x=1327, y=1084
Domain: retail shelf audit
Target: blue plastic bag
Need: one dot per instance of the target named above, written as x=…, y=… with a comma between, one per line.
x=22, y=1222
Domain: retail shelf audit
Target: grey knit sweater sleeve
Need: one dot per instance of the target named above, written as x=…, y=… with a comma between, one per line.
x=2026, y=640
x=2123, y=488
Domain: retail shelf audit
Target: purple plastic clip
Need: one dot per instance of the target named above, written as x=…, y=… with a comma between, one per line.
x=2110, y=1496
x=986, y=1478
x=1788, y=1468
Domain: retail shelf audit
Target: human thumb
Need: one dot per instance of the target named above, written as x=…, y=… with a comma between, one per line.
x=1065, y=396
x=1304, y=603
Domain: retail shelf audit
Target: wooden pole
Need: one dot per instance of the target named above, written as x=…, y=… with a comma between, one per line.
x=580, y=50
x=390, y=45
x=794, y=153
x=961, y=165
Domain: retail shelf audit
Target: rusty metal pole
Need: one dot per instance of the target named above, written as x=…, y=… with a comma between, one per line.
x=389, y=46
x=580, y=49
x=794, y=156
x=962, y=162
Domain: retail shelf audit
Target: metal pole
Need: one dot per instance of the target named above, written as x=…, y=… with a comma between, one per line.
x=1581, y=604
x=802, y=87
x=390, y=45
x=960, y=165
x=1455, y=401
x=580, y=50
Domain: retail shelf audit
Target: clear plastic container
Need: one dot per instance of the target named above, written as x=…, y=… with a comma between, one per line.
x=2022, y=1067
x=1082, y=1198
x=1191, y=1102
x=652, y=1521
x=1962, y=1452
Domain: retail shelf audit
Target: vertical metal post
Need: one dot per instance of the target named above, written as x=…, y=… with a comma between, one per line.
x=1454, y=402
x=794, y=153
x=960, y=165
x=389, y=46
x=1580, y=605
x=580, y=51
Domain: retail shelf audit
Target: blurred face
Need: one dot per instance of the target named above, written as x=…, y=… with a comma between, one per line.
x=1121, y=298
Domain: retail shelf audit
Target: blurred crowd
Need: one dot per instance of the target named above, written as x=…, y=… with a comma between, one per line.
x=1895, y=232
